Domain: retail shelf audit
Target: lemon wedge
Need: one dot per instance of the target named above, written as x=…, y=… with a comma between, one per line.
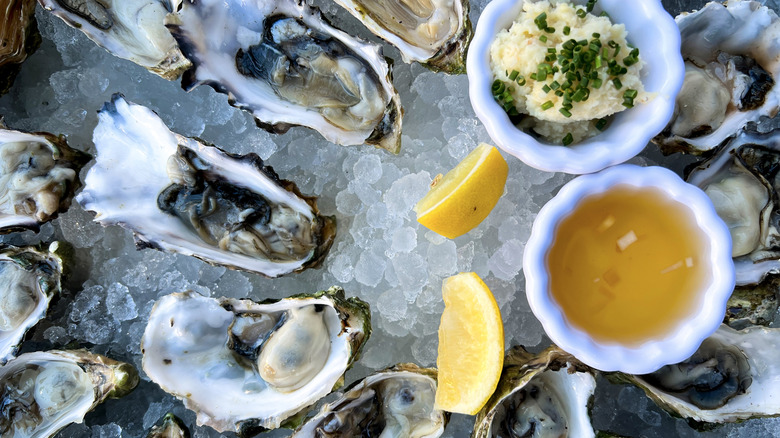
x=471, y=345
x=465, y=196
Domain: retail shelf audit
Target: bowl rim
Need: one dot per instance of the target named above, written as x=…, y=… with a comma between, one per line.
x=654, y=353
x=625, y=137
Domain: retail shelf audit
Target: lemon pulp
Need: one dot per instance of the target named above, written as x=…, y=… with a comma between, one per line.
x=471, y=345
x=466, y=194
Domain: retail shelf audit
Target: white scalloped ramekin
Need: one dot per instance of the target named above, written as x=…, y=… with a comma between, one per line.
x=673, y=347
x=650, y=28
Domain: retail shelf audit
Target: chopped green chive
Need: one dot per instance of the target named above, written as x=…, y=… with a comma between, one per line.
x=596, y=83
x=498, y=87
x=520, y=80
x=513, y=75
x=566, y=30
x=630, y=93
x=581, y=13
x=567, y=113
x=568, y=139
x=549, y=29
x=546, y=88
x=601, y=124
x=543, y=38
x=617, y=83
x=547, y=105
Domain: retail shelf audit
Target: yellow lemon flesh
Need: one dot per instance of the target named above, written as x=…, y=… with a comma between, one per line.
x=466, y=194
x=471, y=345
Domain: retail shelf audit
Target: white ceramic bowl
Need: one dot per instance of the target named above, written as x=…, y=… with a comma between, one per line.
x=650, y=28
x=672, y=347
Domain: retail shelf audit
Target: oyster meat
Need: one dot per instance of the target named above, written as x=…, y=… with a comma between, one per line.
x=545, y=395
x=281, y=61
x=178, y=194
x=43, y=392
x=19, y=36
x=742, y=181
x=38, y=177
x=393, y=403
x=29, y=278
x=248, y=366
x=435, y=33
x=129, y=29
x=732, y=61
x=733, y=376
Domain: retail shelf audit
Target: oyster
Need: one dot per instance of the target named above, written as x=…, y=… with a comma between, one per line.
x=435, y=33
x=247, y=366
x=29, y=277
x=732, y=60
x=38, y=177
x=19, y=36
x=43, y=392
x=178, y=194
x=171, y=427
x=545, y=395
x=732, y=377
x=129, y=29
x=393, y=403
x=742, y=181
x=281, y=61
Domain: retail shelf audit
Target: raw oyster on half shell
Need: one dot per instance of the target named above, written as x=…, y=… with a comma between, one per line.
x=544, y=395
x=733, y=376
x=742, y=180
x=39, y=175
x=178, y=194
x=130, y=29
x=248, y=366
x=435, y=33
x=29, y=278
x=393, y=403
x=19, y=36
x=282, y=62
x=43, y=392
x=732, y=63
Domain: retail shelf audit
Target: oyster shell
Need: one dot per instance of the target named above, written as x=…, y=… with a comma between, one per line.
x=38, y=177
x=247, y=366
x=29, y=278
x=732, y=377
x=20, y=37
x=753, y=304
x=544, y=395
x=742, y=181
x=281, y=61
x=129, y=29
x=435, y=33
x=171, y=427
x=43, y=392
x=396, y=402
x=732, y=61
x=178, y=194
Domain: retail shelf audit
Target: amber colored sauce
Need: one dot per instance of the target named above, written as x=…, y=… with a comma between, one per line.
x=626, y=265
